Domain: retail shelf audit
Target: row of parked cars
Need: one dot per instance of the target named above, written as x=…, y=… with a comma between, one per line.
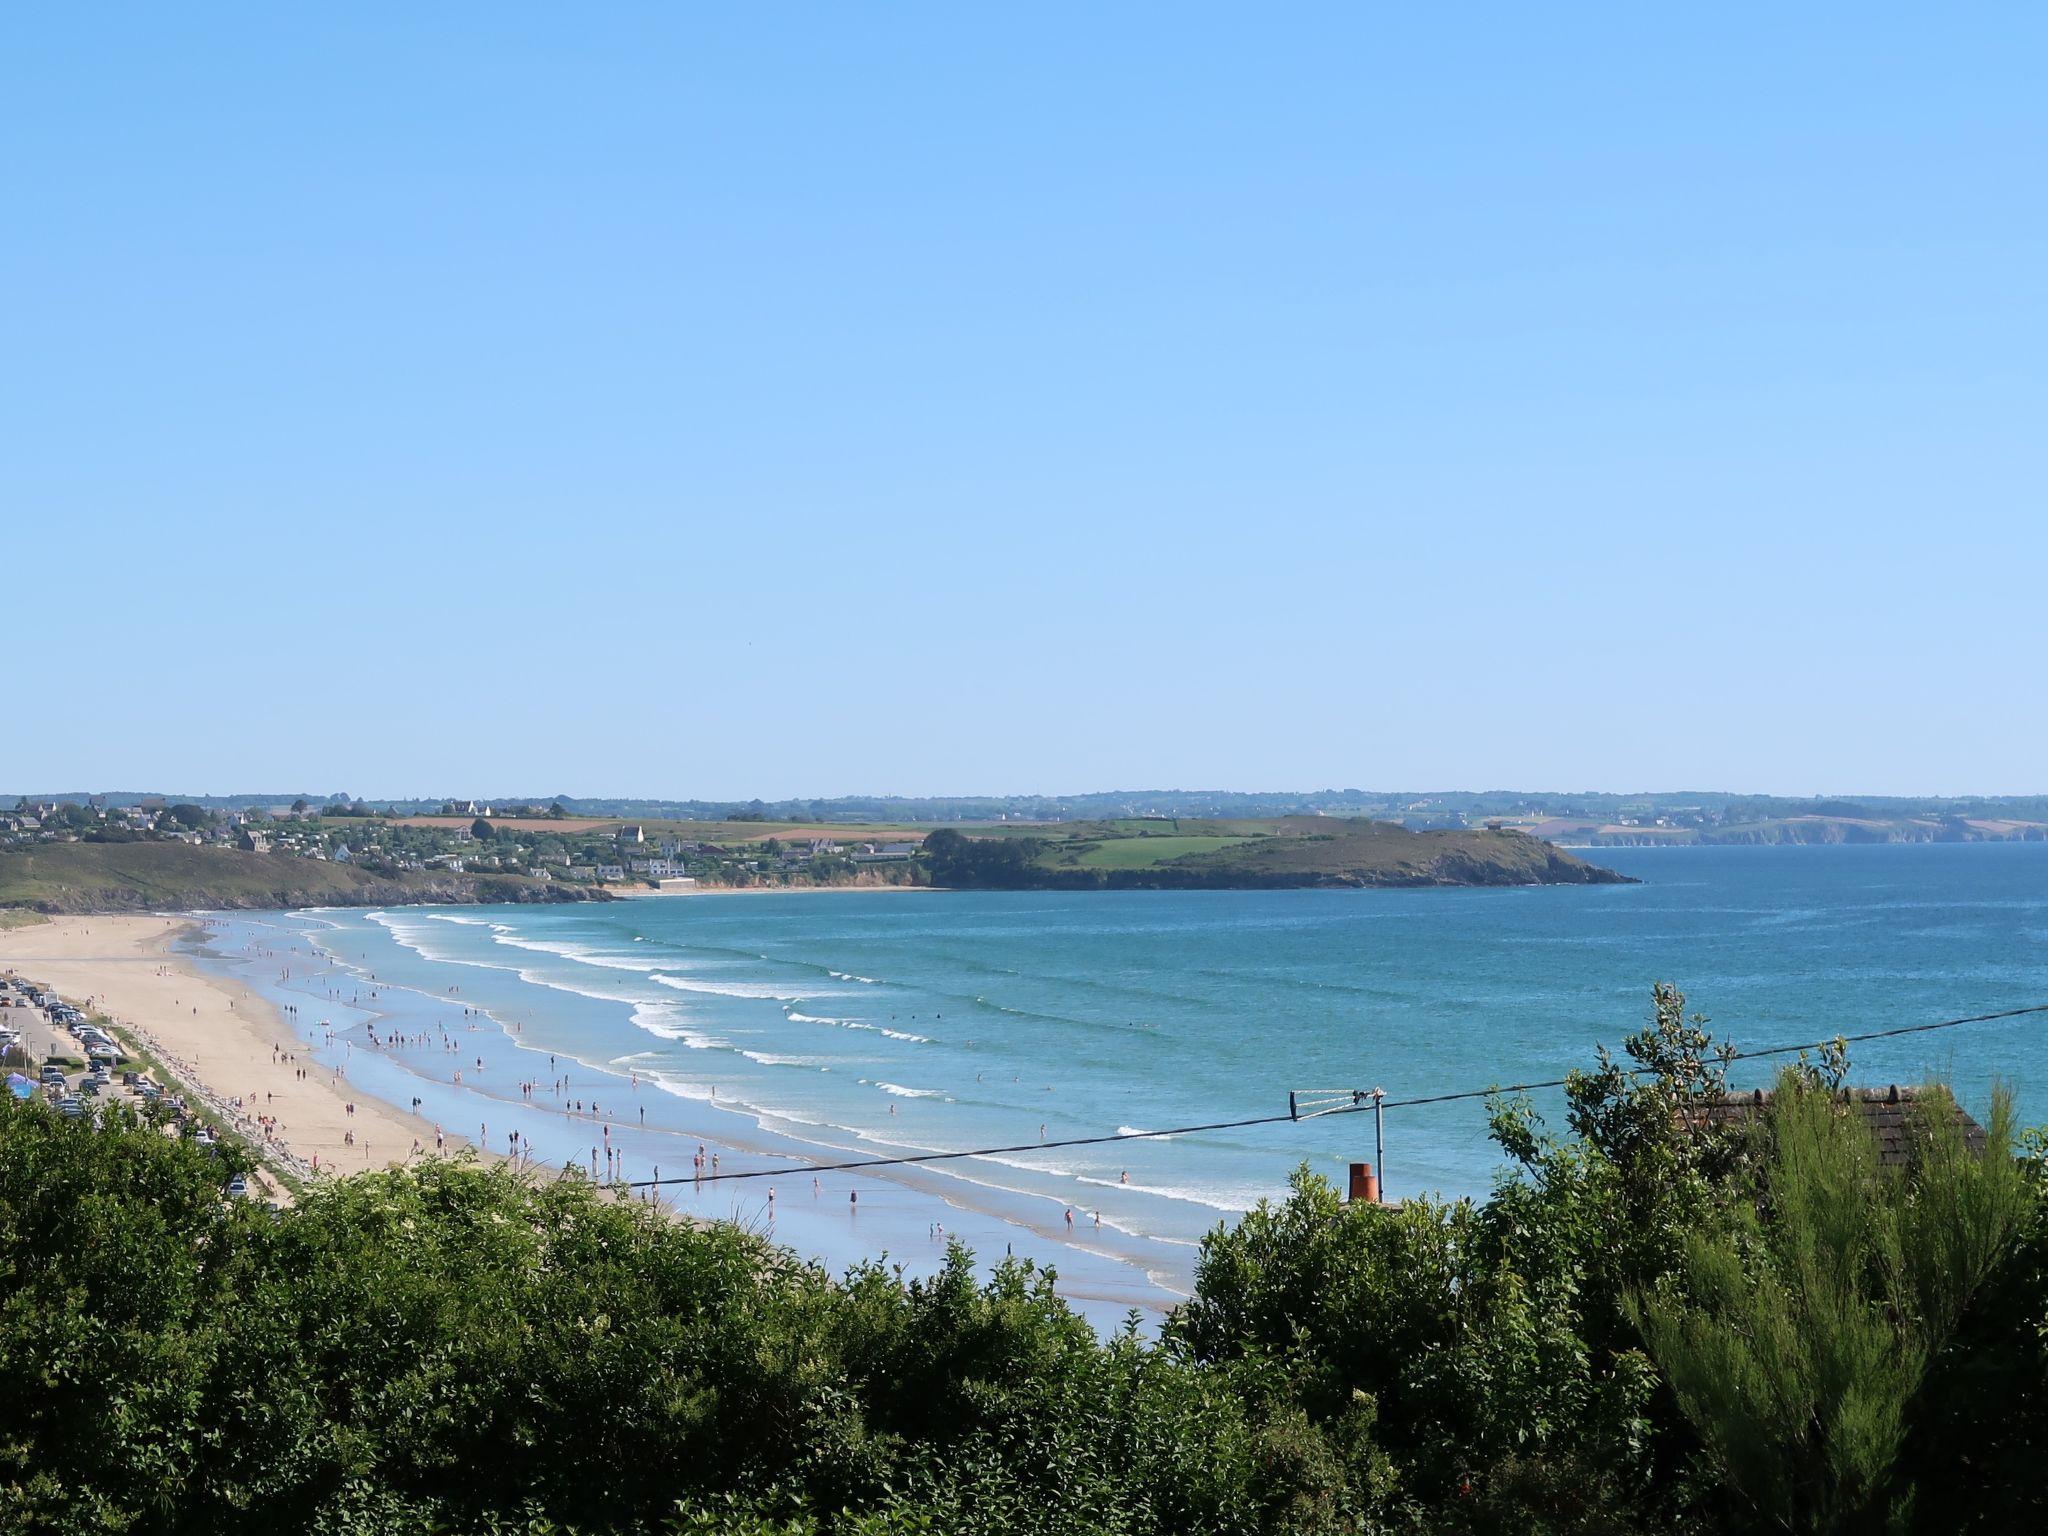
x=104, y=1055
x=18, y=994
x=102, y=1052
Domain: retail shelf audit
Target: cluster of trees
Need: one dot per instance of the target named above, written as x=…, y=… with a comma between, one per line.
x=1656, y=1323
x=999, y=863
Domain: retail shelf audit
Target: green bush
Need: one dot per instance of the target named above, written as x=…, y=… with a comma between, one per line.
x=453, y=1349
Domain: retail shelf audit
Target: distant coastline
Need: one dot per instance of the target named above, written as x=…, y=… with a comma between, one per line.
x=313, y=860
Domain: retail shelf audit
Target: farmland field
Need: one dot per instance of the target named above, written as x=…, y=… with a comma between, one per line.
x=1142, y=852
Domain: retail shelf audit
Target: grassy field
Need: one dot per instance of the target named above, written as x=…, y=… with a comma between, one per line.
x=1142, y=852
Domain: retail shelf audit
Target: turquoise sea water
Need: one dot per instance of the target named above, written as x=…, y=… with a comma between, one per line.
x=775, y=1027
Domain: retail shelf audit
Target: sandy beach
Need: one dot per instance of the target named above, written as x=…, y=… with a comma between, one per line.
x=213, y=1013
x=218, y=1036
x=642, y=893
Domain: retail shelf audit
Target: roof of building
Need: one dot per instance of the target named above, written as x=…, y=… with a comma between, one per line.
x=1887, y=1111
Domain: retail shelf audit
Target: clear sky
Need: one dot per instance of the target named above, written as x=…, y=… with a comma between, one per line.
x=731, y=401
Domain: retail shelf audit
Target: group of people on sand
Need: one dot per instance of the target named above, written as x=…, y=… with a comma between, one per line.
x=603, y=1155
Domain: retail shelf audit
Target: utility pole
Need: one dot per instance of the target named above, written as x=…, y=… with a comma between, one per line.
x=1379, y=1137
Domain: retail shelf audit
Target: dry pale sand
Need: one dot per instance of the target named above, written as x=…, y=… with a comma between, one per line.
x=217, y=1036
x=640, y=893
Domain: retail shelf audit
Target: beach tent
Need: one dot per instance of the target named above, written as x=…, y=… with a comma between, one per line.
x=20, y=1086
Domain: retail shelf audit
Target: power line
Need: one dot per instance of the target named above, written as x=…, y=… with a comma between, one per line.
x=1364, y=1100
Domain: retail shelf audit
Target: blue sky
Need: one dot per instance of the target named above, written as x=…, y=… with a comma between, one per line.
x=692, y=401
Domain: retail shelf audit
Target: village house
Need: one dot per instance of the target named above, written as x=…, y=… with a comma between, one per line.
x=874, y=853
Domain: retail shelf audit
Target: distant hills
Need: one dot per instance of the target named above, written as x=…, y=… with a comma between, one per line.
x=1602, y=817
x=148, y=876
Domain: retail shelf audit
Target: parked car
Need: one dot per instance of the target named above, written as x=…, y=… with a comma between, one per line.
x=238, y=1187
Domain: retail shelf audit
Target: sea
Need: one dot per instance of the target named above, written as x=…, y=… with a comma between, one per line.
x=781, y=1033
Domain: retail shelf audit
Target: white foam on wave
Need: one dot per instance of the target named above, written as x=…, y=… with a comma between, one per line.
x=770, y=1059
x=902, y=1092
x=412, y=939
x=1217, y=1200
x=796, y=1017
x=582, y=954
x=682, y=1088
x=780, y=991
x=412, y=934
x=660, y=1020
x=849, y=976
x=1134, y=1130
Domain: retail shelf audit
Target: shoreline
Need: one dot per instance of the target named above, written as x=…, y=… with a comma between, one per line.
x=223, y=1039
x=466, y=1061
x=752, y=890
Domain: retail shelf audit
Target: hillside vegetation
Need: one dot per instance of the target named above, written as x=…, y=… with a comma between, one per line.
x=1216, y=855
x=155, y=876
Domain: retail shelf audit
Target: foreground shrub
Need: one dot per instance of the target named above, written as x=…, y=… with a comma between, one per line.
x=454, y=1349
